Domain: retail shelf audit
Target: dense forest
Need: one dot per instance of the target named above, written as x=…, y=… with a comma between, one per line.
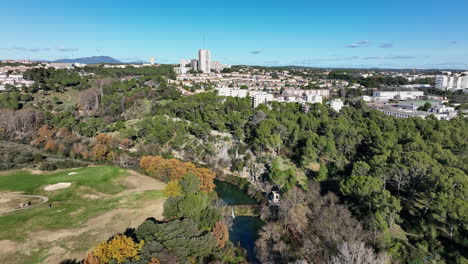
x=353, y=183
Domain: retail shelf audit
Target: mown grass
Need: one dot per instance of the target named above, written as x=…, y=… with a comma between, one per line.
x=99, y=178
x=69, y=208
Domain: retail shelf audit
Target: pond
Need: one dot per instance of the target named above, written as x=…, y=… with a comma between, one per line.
x=244, y=229
x=231, y=194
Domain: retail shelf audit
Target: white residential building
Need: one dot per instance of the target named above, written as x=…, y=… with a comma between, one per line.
x=336, y=104
x=181, y=70
x=218, y=67
x=398, y=95
x=297, y=92
x=261, y=98
x=454, y=82
x=203, y=64
x=439, y=109
x=234, y=92
x=313, y=99
x=60, y=65
x=401, y=113
x=204, y=61
x=195, y=65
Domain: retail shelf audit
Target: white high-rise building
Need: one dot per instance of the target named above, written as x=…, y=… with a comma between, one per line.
x=152, y=60
x=455, y=82
x=204, y=61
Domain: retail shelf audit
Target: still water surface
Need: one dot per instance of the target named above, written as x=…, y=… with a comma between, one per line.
x=244, y=228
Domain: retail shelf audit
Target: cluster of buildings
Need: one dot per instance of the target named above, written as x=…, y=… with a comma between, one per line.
x=411, y=77
x=119, y=66
x=406, y=104
x=452, y=82
x=19, y=61
x=15, y=80
x=203, y=64
x=288, y=95
x=440, y=111
x=65, y=65
x=385, y=96
x=250, y=78
x=12, y=75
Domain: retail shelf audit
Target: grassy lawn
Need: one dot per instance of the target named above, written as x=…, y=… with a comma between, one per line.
x=301, y=177
x=70, y=208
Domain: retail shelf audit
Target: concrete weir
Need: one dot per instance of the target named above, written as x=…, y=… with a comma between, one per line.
x=241, y=210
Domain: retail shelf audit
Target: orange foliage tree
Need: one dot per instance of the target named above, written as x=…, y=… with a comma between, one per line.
x=44, y=133
x=103, y=139
x=101, y=148
x=173, y=169
x=154, y=261
x=50, y=145
x=221, y=233
x=65, y=134
x=118, y=249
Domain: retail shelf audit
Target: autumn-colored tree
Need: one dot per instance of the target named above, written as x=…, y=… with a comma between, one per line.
x=50, y=145
x=206, y=178
x=91, y=259
x=126, y=142
x=61, y=148
x=101, y=149
x=119, y=249
x=64, y=133
x=154, y=261
x=44, y=133
x=80, y=149
x=103, y=139
x=173, y=169
x=173, y=189
x=99, y=152
x=221, y=233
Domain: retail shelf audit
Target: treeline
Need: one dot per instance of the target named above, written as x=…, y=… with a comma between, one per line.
x=460, y=96
x=162, y=70
x=54, y=79
x=376, y=81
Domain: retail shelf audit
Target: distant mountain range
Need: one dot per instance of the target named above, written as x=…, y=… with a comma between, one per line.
x=89, y=60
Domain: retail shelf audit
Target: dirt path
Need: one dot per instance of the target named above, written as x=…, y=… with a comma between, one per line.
x=44, y=199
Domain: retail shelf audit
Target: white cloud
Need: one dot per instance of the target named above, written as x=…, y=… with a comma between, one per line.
x=66, y=49
x=357, y=44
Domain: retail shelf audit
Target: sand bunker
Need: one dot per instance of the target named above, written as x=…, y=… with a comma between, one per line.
x=57, y=186
x=72, y=173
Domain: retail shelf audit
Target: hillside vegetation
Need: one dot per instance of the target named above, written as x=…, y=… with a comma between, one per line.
x=353, y=182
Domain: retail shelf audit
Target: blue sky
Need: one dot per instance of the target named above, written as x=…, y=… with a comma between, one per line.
x=333, y=33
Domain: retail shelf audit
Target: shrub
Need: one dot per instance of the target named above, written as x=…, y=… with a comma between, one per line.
x=47, y=166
